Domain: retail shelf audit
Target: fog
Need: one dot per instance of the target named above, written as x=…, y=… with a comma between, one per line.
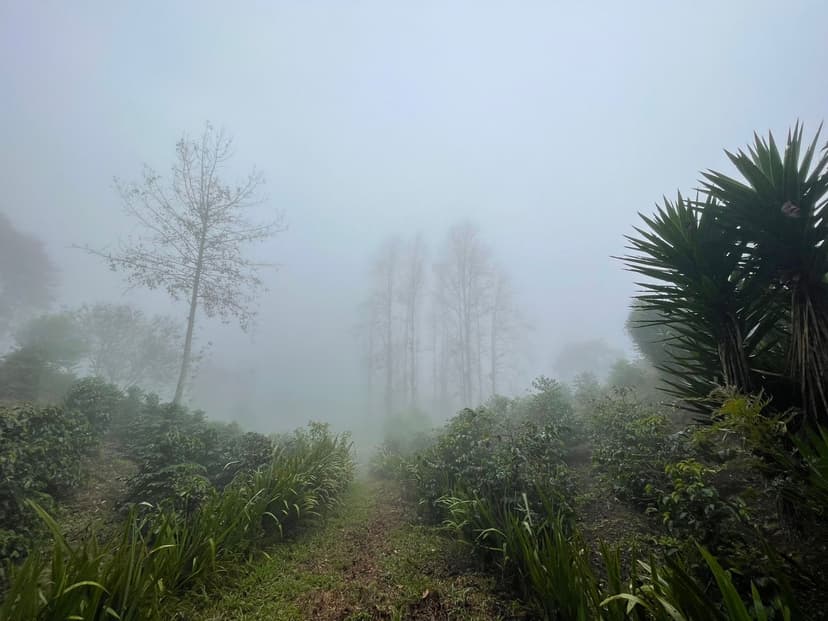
x=549, y=126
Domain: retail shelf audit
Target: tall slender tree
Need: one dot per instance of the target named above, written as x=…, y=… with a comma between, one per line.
x=506, y=327
x=463, y=273
x=411, y=299
x=193, y=233
x=382, y=313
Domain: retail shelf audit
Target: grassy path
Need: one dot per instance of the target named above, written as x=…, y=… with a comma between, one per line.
x=368, y=561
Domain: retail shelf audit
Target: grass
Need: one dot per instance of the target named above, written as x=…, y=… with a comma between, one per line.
x=368, y=560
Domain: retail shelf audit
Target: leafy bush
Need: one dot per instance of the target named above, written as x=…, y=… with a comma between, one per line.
x=181, y=453
x=96, y=399
x=180, y=487
x=494, y=457
x=550, y=403
x=691, y=506
x=633, y=444
x=40, y=457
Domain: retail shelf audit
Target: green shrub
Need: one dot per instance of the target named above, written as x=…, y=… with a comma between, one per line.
x=632, y=445
x=180, y=451
x=691, y=506
x=180, y=487
x=96, y=399
x=41, y=448
x=494, y=457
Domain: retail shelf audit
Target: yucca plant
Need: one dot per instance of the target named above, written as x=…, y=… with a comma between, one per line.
x=741, y=275
x=777, y=210
x=697, y=284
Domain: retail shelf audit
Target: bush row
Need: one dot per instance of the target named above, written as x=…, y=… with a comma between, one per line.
x=41, y=452
x=500, y=478
x=164, y=550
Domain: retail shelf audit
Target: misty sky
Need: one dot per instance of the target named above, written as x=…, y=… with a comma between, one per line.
x=549, y=124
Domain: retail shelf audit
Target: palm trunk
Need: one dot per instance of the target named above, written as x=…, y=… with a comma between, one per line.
x=809, y=341
x=735, y=367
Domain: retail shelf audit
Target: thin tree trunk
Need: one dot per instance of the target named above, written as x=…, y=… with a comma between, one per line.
x=479, y=334
x=493, y=345
x=389, y=345
x=413, y=364
x=188, y=340
x=369, y=387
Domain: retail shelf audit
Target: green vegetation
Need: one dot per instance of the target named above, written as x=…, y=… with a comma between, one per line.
x=40, y=457
x=738, y=277
x=369, y=560
x=508, y=491
x=591, y=499
x=164, y=550
x=733, y=318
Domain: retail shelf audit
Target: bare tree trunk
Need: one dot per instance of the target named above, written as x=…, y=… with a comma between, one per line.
x=479, y=335
x=466, y=338
x=188, y=340
x=493, y=347
x=369, y=369
x=389, y=342
x=435, y=373
x=413, y=362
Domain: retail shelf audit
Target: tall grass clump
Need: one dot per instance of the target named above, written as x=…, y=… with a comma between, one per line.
x=549, y=563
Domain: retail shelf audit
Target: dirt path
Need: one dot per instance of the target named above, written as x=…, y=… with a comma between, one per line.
x=370, y=561
x=96, y=500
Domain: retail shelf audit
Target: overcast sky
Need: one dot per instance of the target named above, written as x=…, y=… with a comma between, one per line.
x=547, y=123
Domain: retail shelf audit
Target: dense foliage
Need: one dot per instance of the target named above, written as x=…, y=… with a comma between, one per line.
x=163, y=551
x=739, y=277
x=503, y=479
x=719, y=516
x=42, y=448
x=40, y=458
x=733, y=316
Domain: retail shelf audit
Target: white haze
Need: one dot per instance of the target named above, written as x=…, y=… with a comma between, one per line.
x=548, y=124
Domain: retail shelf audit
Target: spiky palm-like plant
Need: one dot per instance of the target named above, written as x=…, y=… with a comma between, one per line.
x=778, y=212
x=696, y=283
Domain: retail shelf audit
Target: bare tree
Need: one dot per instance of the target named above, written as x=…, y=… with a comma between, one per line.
x=194, y=231
x=365, y=332
x=506, y=328
x=380, y=319
x=441, y=348
x=463, y=274
x=472, y=325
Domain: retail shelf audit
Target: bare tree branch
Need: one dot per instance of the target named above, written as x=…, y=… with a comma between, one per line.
x=193, y=235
